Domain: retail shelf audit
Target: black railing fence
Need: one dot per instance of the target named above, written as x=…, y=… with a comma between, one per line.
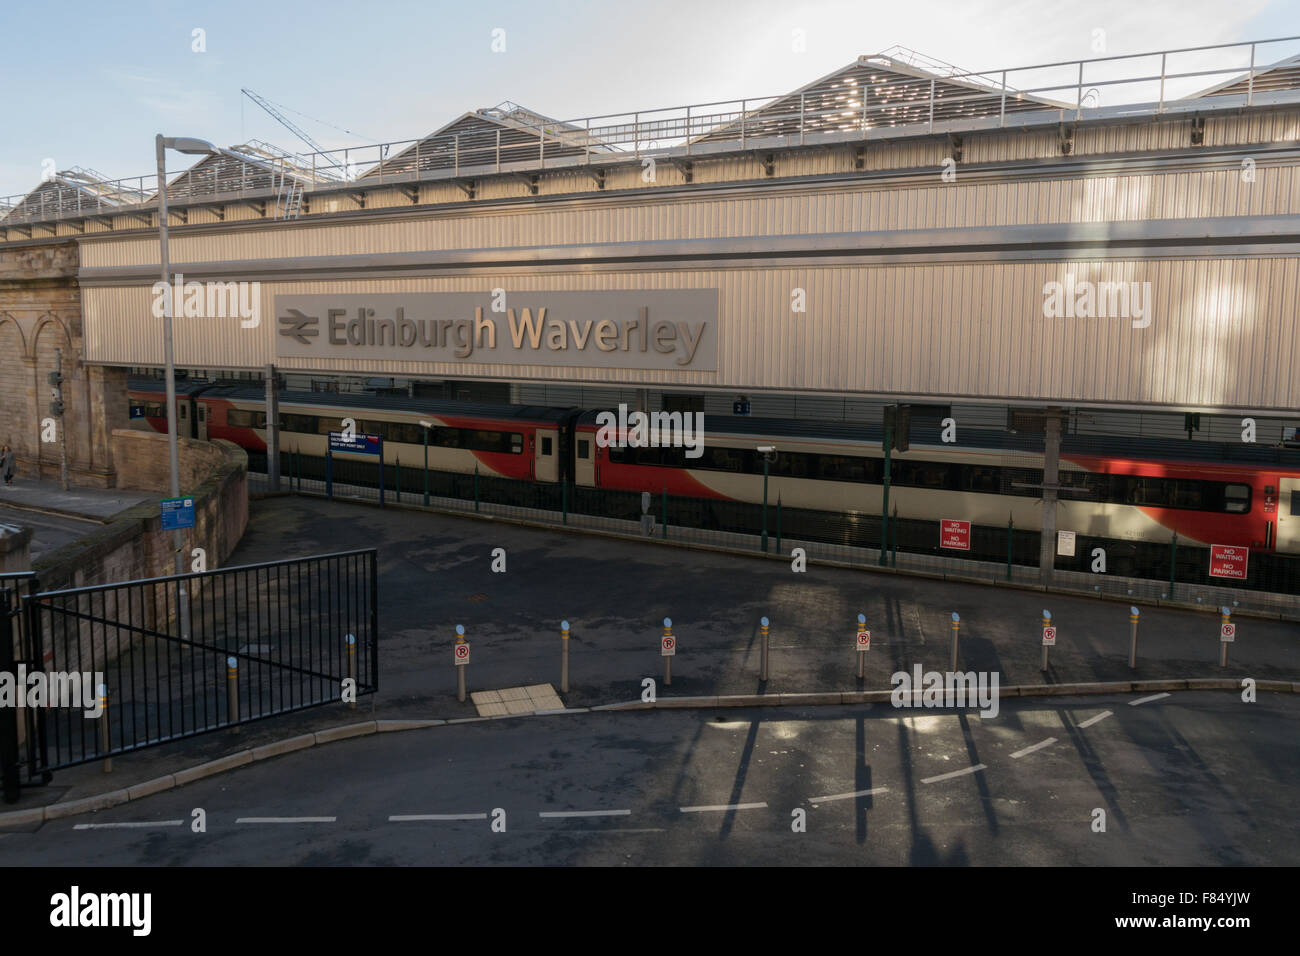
x=141, y=663
x=1172, y=562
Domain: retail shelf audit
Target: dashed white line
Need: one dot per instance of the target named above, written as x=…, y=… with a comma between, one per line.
x=725, y=806
x=1038, y=746
x=848, y=796
x=564, y=814
x=1092, y=720
x=956, y=773
x=1146, y=700
x=425, y=817
x=286, y=819
x=128, y=826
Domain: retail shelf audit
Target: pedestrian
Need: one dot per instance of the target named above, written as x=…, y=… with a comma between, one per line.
x=7, y=464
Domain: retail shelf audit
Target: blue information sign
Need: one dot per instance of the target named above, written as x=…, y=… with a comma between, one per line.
x=137, y=411
x=177, y=513
x=740, y=407
x=357, y=445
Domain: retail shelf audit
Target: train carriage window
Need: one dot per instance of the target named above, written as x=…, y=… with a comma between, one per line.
x=242, y=418
x=546, y=447
x=584, y=448
x=516, y=443
x=1236, y=498
x=1295, y=504
x=300, y=424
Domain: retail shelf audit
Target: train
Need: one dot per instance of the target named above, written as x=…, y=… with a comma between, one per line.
x=1110, y=487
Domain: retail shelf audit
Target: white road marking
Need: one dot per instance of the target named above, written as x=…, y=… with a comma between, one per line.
x=1092, y=720
x=956, y=773
x=286, y=819
x=725, y=806
x=418, y=817
x=1146, y=700
x=128, y=826
x=1038, y=746
x=564, y=814
x=848, y=796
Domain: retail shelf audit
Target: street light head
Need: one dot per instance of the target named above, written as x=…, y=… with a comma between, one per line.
x=767, y=449
x=187, y=144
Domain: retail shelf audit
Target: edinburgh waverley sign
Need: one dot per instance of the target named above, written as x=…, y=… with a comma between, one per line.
x=647, y=329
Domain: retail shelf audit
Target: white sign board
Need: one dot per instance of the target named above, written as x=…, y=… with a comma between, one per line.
x=462, y=653
x=1049, y=637
x=1065, y=543
x=1228, y=633
x=864, y=640
x=668, y=646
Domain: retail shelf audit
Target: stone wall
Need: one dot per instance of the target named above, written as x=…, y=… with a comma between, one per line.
x=40, y=313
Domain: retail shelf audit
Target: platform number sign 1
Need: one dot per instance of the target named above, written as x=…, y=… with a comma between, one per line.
x=864, y=640
x=462, y=653
x=1049, y=636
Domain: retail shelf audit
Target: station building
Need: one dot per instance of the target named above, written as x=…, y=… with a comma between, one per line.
x=1117, y=238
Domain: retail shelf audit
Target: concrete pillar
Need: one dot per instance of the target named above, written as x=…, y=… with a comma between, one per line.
x=272, y=430
x=15, y=548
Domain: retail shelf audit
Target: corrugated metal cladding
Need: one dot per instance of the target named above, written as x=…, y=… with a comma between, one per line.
x=970, y=201
x=1222, y=332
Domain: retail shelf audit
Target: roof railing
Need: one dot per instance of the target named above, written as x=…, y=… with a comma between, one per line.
x=514, y=139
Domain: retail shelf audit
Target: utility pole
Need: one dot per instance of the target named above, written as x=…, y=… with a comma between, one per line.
x=1051, y=475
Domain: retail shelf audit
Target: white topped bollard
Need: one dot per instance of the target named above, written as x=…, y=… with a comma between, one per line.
x=104, y=745
x=351, y=641
x=862, y=643
x=668, y=648
x=1049, y=636
x=1227, y=634
x=461, y=658
x=1133, y=637
x=564, y=657
x=765, y=632
x=956, y=627
x=232, y=693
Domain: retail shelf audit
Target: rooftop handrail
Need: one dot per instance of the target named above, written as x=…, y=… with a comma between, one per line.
x=534, y=143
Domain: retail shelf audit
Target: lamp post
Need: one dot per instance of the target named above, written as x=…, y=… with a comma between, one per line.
x=193, y=147
x=769, y=455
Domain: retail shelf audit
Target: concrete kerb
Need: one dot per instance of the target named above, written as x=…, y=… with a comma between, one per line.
x=56, y=811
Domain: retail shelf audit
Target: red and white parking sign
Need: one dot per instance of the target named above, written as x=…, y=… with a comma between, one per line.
x=864, y=640
x=1049, y=636
x=954, y=534
x=462, y=653
x=1228, y=633
x=1228, y=561
x=668, y=646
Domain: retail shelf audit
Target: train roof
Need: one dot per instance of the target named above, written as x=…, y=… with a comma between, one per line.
x=431, y=406
x=928, y=433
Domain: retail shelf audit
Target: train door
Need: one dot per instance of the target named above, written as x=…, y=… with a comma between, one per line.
x=547, y=455
x=584, y=459
x=184, y=425
x=1288, y=516
x=201, y=420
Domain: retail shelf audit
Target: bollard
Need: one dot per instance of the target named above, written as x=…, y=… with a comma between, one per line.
x=352, y=669
x=1227, y=634
x=1047, y=622
x=103, y=727
x=668, y=648
x=1133, y=637
x=862, y=654
x=462, y=664
x=764, y=630
x=232, y=693
x=564, y=657
x=956, y=626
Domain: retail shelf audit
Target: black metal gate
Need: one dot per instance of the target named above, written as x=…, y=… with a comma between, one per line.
x=133, y=665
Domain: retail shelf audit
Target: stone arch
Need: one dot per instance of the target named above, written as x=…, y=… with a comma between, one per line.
x=6, y=317
x=49, y=318
x=50, y=332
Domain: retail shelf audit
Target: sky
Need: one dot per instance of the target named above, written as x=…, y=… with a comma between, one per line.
x=88, y=84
